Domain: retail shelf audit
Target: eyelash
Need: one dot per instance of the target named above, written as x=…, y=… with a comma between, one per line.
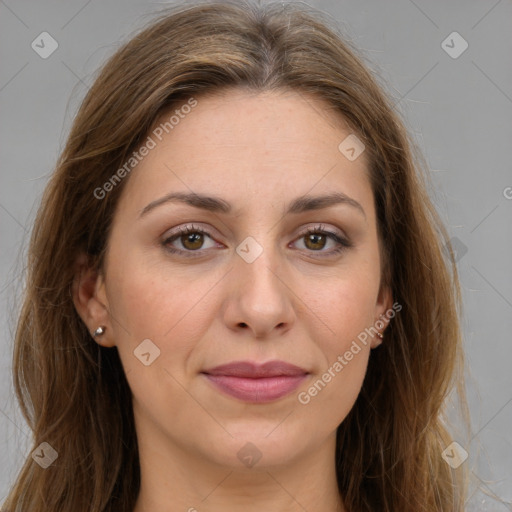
x=343, y=243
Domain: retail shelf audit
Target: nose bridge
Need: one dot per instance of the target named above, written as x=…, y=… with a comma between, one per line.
x=258, y=266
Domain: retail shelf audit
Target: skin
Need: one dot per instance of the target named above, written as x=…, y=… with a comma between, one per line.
x=258, y=152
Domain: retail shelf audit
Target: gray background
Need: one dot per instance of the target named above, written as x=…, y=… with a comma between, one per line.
x=459, y=111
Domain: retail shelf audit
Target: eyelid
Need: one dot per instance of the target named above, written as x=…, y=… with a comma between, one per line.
x=193, y=227
x=319, y=227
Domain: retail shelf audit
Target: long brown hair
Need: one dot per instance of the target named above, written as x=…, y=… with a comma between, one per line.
x=73, y=392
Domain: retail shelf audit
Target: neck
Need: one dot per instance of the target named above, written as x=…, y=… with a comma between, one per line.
x=192, y=483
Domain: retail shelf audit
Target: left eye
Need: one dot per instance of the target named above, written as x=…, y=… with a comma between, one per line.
x=317, y=240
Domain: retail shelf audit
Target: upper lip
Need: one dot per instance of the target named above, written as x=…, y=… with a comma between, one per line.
x=250, y=369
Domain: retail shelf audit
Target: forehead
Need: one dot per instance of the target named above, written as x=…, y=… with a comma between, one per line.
x=244, y=145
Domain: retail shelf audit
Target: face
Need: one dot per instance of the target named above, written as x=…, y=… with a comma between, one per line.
x=253, y=276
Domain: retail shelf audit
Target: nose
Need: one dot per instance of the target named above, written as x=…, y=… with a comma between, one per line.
x=259, y=299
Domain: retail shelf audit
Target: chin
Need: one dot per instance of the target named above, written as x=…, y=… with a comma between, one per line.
x=262, y=445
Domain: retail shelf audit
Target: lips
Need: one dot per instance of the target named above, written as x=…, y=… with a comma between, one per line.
x=257, y=383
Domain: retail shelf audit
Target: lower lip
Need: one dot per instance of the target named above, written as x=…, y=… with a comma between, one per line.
x=262, y=390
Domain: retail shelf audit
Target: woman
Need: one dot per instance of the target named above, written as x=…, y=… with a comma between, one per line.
x=237, y=296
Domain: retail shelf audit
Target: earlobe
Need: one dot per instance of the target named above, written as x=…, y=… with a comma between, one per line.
x=90, y=300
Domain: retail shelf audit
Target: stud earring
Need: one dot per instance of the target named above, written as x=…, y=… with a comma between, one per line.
x=99, y=331
x=380, y=335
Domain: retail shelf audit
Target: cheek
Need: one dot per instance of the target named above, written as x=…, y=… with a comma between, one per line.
x=345, y=306
x=147, y=304
x=144, y=296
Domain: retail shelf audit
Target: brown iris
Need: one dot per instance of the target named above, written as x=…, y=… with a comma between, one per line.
x=316, y=240
x=192, y=240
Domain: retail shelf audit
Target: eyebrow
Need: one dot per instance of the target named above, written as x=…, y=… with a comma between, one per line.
x=217, y=205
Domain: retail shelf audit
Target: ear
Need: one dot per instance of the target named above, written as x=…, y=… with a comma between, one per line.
x=90, y=299
x=381, y=320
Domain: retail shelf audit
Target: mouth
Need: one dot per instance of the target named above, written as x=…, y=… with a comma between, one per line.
x=256, y=383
